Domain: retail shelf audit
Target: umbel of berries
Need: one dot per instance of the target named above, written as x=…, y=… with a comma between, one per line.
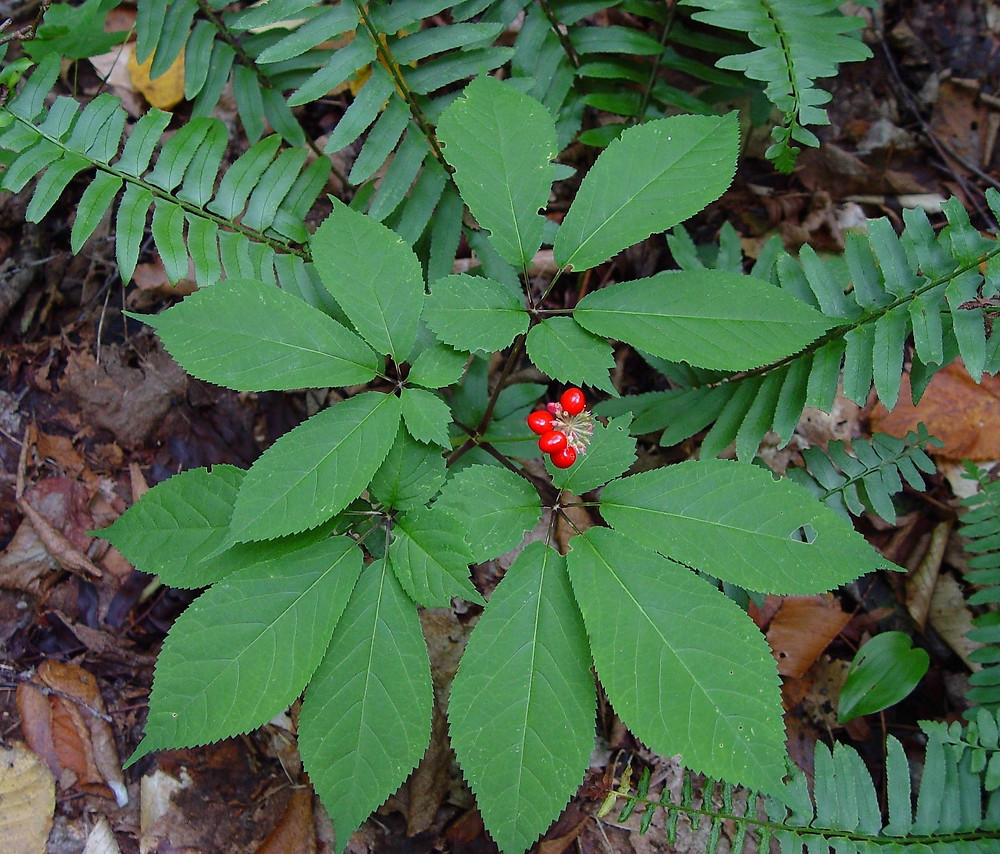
x=564, y=428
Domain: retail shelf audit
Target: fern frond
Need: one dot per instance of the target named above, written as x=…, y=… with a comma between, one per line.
x=869, y=475
x=885, y=290
x=232, y=226
x=842, y=813
x=981, y=524
x=798, y=42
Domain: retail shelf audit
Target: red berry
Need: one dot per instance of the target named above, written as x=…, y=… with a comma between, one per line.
x=540, y=422
x=565, y=458
x=573, y=401
x=552, y=442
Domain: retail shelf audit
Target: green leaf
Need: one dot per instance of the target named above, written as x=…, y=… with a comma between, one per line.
x=884, y=672
x=245, y=649
x=737, y=523
x=93, y=204
x=366, y=718
x=410, y=475
x=501, y=143
x=437, y=366
x=374, y=276
x=495, y=505
x=521, y=712
x=431, y=558
x=251, y=336
x=316, y=469
x=179, y=523
x=474, y=313
x=426, y=416
x=684, y=667
x=651, y=178
x=565, y=351
x=610, y=453
x=707, y=318
x=74, y=32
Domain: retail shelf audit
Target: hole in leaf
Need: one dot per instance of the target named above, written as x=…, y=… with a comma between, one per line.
x=805, y=534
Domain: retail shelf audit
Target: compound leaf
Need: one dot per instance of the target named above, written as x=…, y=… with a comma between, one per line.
x=495, y=506
x=737, y=523
x=473, y=313
x=707, y=318
x=369, y=704
x=431, y=558
x=316, y=469
x=651, y=178
x=252, y=336
x=684, y=667
x=501, y=143
x=521, y=712
x=374, y=276
x=247, y=646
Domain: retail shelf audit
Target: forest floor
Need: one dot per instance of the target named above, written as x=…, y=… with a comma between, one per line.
x=93, y=413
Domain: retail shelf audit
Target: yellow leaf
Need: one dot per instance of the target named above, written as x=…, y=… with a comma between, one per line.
x=167, y=90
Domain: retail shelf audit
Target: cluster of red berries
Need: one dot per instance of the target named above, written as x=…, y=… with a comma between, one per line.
x=563, y=428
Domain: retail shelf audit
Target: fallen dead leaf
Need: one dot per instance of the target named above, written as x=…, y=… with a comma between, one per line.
x=951, y=618
x=129, y=401
x=296, y=829
x=958, y=411
x=28, y=797
x=101, y=840
x=167, y=90
x=922, y=578
x=64, y=720
x=802, y=629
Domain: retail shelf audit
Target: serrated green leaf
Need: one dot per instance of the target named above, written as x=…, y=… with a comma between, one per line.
x=141, y=142
x=475, y=314
x=431, y=558
x=651, y=178
x=410, y=475
x=707, y=318
x=369, y=704
x=177, y=524
x=203, y=247
x=737, y=523
x=426, y=416
x=565, y=351
x=245, y=649
x=495, y=505
x=684, y=667
x=374, y=276
x=437, y=366
x=521, y=712
x=251, y=336
x=501, y=143
x=610, y=453
x=52, y=183
x=241, y=178
x=316, y=469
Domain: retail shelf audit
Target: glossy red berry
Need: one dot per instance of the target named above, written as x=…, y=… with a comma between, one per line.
x=540, y=422
x=573, y=401
x=565, y=458
x=552, y=442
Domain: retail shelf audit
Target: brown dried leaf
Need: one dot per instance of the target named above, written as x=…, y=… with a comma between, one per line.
x=922, y=579
x=66, y=554
x=64, y=719
x=802, y=629
x=963, y=415
x=950, y=617
x=295, y=830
